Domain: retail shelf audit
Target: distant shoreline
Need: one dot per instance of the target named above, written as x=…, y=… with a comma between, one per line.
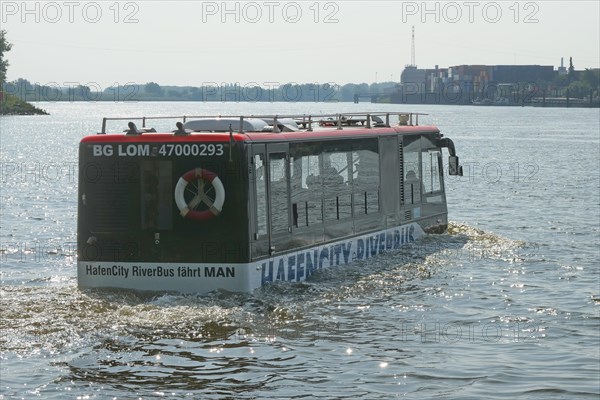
x=517, y=95
x=12, y=105
x=24, y=108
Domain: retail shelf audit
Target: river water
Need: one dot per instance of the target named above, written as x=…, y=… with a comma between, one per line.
x=506, y=304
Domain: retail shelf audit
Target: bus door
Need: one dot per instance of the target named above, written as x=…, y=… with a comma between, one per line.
x=412, y=177
x=270, y=211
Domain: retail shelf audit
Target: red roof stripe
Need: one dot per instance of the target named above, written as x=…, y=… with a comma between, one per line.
x=329, y=133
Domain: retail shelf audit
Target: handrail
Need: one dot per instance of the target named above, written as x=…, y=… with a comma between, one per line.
x=311, y=117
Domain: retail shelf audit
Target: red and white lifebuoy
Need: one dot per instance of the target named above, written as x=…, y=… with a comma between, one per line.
x=214, y=207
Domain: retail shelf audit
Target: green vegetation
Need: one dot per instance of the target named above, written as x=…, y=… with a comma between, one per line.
x=151, y=91
x=571, y=73
x=4, y=47
x=588, y=82
x=12, y=105
x=9, y=104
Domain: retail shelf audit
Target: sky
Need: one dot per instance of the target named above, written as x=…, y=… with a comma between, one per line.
x=191, y=43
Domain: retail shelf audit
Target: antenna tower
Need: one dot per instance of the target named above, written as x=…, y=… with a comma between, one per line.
x=412, y=51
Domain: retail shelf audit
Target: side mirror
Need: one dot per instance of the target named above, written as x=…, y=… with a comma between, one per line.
x=453, y=166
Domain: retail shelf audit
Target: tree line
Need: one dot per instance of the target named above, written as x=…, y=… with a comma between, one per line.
x=212, y=91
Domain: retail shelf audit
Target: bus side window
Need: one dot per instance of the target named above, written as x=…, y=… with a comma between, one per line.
x=279, y=198
x=337, y=203
x=261, y=195
x=432, y=180
x=365, y=168
x=307, y=185
x=412, y=170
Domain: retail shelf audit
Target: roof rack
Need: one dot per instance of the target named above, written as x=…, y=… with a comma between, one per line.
x=306, y=120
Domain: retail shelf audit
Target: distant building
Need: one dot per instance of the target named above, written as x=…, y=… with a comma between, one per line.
x=467, y=78
x=413, y=80
x=466, y=83
x=522, y=73
x=562, y=70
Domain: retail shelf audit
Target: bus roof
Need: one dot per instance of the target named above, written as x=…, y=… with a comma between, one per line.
x=317, y=133
x=266, y=128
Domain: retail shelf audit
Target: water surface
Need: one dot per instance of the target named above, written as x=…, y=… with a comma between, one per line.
x=505, y=304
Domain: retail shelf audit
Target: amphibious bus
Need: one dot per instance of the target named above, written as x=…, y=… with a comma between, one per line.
x=235, y=202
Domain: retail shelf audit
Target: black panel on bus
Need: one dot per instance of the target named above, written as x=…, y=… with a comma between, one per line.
x=128, y=213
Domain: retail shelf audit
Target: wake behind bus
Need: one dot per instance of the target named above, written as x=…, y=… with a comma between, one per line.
x=236, y=202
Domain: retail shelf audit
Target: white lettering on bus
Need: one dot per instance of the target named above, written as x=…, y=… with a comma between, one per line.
x=133, y=150
x=102, y=150
x=191, y=149
x=302, y=264
x=165, y=150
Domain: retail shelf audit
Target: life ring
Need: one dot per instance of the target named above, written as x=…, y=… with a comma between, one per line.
x=214, y=207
